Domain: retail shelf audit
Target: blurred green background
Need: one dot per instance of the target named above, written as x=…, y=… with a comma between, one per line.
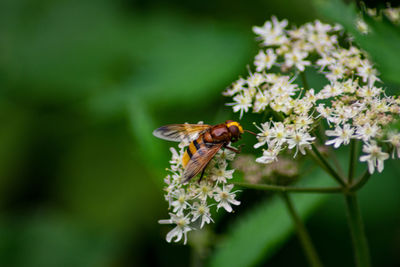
x=82, y=86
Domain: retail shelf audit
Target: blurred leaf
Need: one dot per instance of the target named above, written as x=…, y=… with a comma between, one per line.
x=200, y=57
x=142, y=126
x=61, y=48
x=14, y=137
x=259, y=234
x=178, y=61
x=386, y=186
x=44, y=240
x=382, y=43
x=102, y=182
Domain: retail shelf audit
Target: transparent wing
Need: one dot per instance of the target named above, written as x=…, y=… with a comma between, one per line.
x=199, y=160
x=180, y=132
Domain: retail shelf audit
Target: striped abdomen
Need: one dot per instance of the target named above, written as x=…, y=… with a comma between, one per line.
x=192, y=149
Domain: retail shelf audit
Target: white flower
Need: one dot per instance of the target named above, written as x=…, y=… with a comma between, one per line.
x=367, y=131
x=265, y=60
x=225, y=197
x=176, y=159
x=303, y=121
x=180, y=202
x=225, y=155
x=283, y=86
x=296, y=58
x=242, y=103
x=261, y=102
x=350, y=86
x=279, y=26
x=204, y=190
x=300, y=140
x=272, y=33
x=263, y=31
x=270, y=155
x=393, y=14
x=265, y=134
x=367, y=72
x=203, y=211
x=220, y=174
x=368, y=91
x=331, y=90
x=323, y=111
x=325, y=61
x=299, y=33
x=343, y=135
x=336, y=72
x=279, y=134
x=394, y=139
x=181, y=229
x=371, y=12
x=361, y=26
x=255, y=80
x=375, y=157
x=236, y=87
x=322, y=27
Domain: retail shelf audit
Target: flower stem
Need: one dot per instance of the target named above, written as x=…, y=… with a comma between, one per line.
x=352, y=162
x=361, y=182
x=278, y=188
x=355, y=222
x=304, y=80
x=302, y=234
x=328, y=167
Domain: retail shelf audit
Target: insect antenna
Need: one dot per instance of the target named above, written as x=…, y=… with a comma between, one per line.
x=251, y=132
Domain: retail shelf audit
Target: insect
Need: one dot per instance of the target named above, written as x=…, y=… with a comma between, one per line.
x=206, y=141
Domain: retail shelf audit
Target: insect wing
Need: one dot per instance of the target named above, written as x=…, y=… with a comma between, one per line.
x=199, y=160
x=180, y=132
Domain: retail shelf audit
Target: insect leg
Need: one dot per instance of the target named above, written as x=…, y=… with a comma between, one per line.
x=202, y=173
x=235, y=149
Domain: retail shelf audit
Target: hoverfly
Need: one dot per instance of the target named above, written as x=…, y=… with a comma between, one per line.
x=210, y=139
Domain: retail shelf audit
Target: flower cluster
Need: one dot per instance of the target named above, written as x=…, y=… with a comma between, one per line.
x=190, y=203
x=391, y=13
x=280, y=172
x=350, y=103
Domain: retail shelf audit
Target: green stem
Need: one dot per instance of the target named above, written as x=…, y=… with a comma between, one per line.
x=361, y=182
x=304, y=80
x=355, y=222
x=353, y=161
x=328, y=167
x=278, y=188
x=336, y=163
x=279, y=116
x=303, y=235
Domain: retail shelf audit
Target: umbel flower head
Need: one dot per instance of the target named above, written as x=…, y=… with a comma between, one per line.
x=350, y=105
x=191, y=203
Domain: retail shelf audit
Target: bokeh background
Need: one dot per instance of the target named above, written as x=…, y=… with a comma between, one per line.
x=82, y=85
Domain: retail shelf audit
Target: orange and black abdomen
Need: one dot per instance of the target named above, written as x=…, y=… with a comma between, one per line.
x=192, y=149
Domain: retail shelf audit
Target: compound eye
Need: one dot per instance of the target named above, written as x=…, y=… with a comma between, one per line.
x=234, y=130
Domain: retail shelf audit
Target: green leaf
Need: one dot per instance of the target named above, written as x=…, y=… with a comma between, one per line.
x=54, y=55
x=47, y=240
x=101, y=181
x=150, y=147
x=188, y=62
x=262, y=231
x=382, y=43
x=15, y=135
